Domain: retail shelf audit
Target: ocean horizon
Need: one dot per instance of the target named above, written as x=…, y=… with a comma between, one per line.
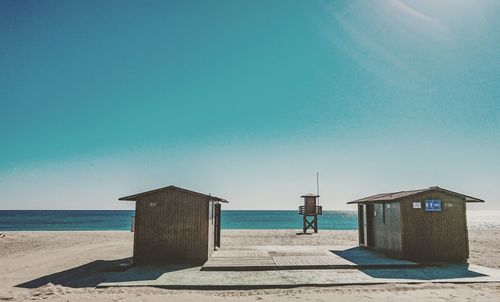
x=120, y=220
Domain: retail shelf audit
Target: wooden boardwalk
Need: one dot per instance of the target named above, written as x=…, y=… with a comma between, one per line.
x=240, y=253
x=303, y=261
x=299, y=257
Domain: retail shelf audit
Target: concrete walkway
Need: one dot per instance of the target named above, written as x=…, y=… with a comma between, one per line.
x=194, y=278
x=294, y=266
x=247, y=258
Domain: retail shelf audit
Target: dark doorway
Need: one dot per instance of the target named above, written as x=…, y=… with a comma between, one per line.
x=361, y=224
x=369, y=220
x=217, y=225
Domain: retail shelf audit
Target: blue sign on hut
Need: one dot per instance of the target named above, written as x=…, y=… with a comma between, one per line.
x=174, y=225
x=427, y=224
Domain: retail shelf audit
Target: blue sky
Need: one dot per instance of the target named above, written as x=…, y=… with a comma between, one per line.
x=247, y=100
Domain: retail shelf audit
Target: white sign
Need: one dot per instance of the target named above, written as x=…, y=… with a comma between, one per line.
x=417, y=205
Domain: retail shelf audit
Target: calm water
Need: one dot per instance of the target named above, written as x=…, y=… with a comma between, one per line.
x=120, y=220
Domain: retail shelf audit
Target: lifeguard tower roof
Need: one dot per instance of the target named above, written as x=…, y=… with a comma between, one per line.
x=309, y=195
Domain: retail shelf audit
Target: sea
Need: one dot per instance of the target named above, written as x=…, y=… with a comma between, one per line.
x=114, y=220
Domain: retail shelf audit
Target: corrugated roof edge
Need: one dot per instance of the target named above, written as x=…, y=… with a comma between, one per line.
x=134, y=197
x=384, y=197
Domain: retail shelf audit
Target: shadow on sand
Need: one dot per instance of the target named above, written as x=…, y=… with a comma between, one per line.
x=96, y=272
x=451, y=271
x=379, y=265
x=363, y=256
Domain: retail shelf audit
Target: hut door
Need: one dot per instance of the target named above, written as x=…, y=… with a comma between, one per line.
x=217, y=225
x=369, y=220
x=361, y=224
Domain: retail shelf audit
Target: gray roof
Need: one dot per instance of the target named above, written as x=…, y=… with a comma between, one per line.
x=395, y=196
x=139, y=195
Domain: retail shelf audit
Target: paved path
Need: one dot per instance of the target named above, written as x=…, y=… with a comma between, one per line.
x=293, y=266
x=247, y=258
x=194, y=278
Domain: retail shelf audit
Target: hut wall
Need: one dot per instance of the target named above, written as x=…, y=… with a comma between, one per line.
x=310, y=203
x=171, y=227
x=435, y=235
x=386, y=233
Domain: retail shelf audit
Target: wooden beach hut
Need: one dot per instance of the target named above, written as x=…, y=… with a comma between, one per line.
x=426, y=224
x=174, y=225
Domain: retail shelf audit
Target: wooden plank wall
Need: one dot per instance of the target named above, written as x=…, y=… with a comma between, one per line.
x=387, y=235
x=435, y=235
x=310, y=203
x=173, y=231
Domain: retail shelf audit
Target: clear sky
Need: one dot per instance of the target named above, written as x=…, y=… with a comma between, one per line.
x=247, y=100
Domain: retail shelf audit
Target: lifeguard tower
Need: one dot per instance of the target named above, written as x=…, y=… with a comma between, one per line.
x=310, y=211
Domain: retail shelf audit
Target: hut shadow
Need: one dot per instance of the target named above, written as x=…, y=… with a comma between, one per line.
x=449, y=272
x=379, y=265
x=99, y=271
x=362, y=256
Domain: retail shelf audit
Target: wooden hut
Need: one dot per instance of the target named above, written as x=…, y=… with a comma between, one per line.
x=427, y=224
x=174, y=225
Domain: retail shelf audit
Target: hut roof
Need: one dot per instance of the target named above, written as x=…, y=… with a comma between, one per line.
x=395, y=196
x=172, y=188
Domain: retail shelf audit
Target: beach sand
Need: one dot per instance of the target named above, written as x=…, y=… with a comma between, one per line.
x=66, y=266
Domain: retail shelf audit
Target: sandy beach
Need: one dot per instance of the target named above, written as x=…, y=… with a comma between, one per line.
x=66, y=266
